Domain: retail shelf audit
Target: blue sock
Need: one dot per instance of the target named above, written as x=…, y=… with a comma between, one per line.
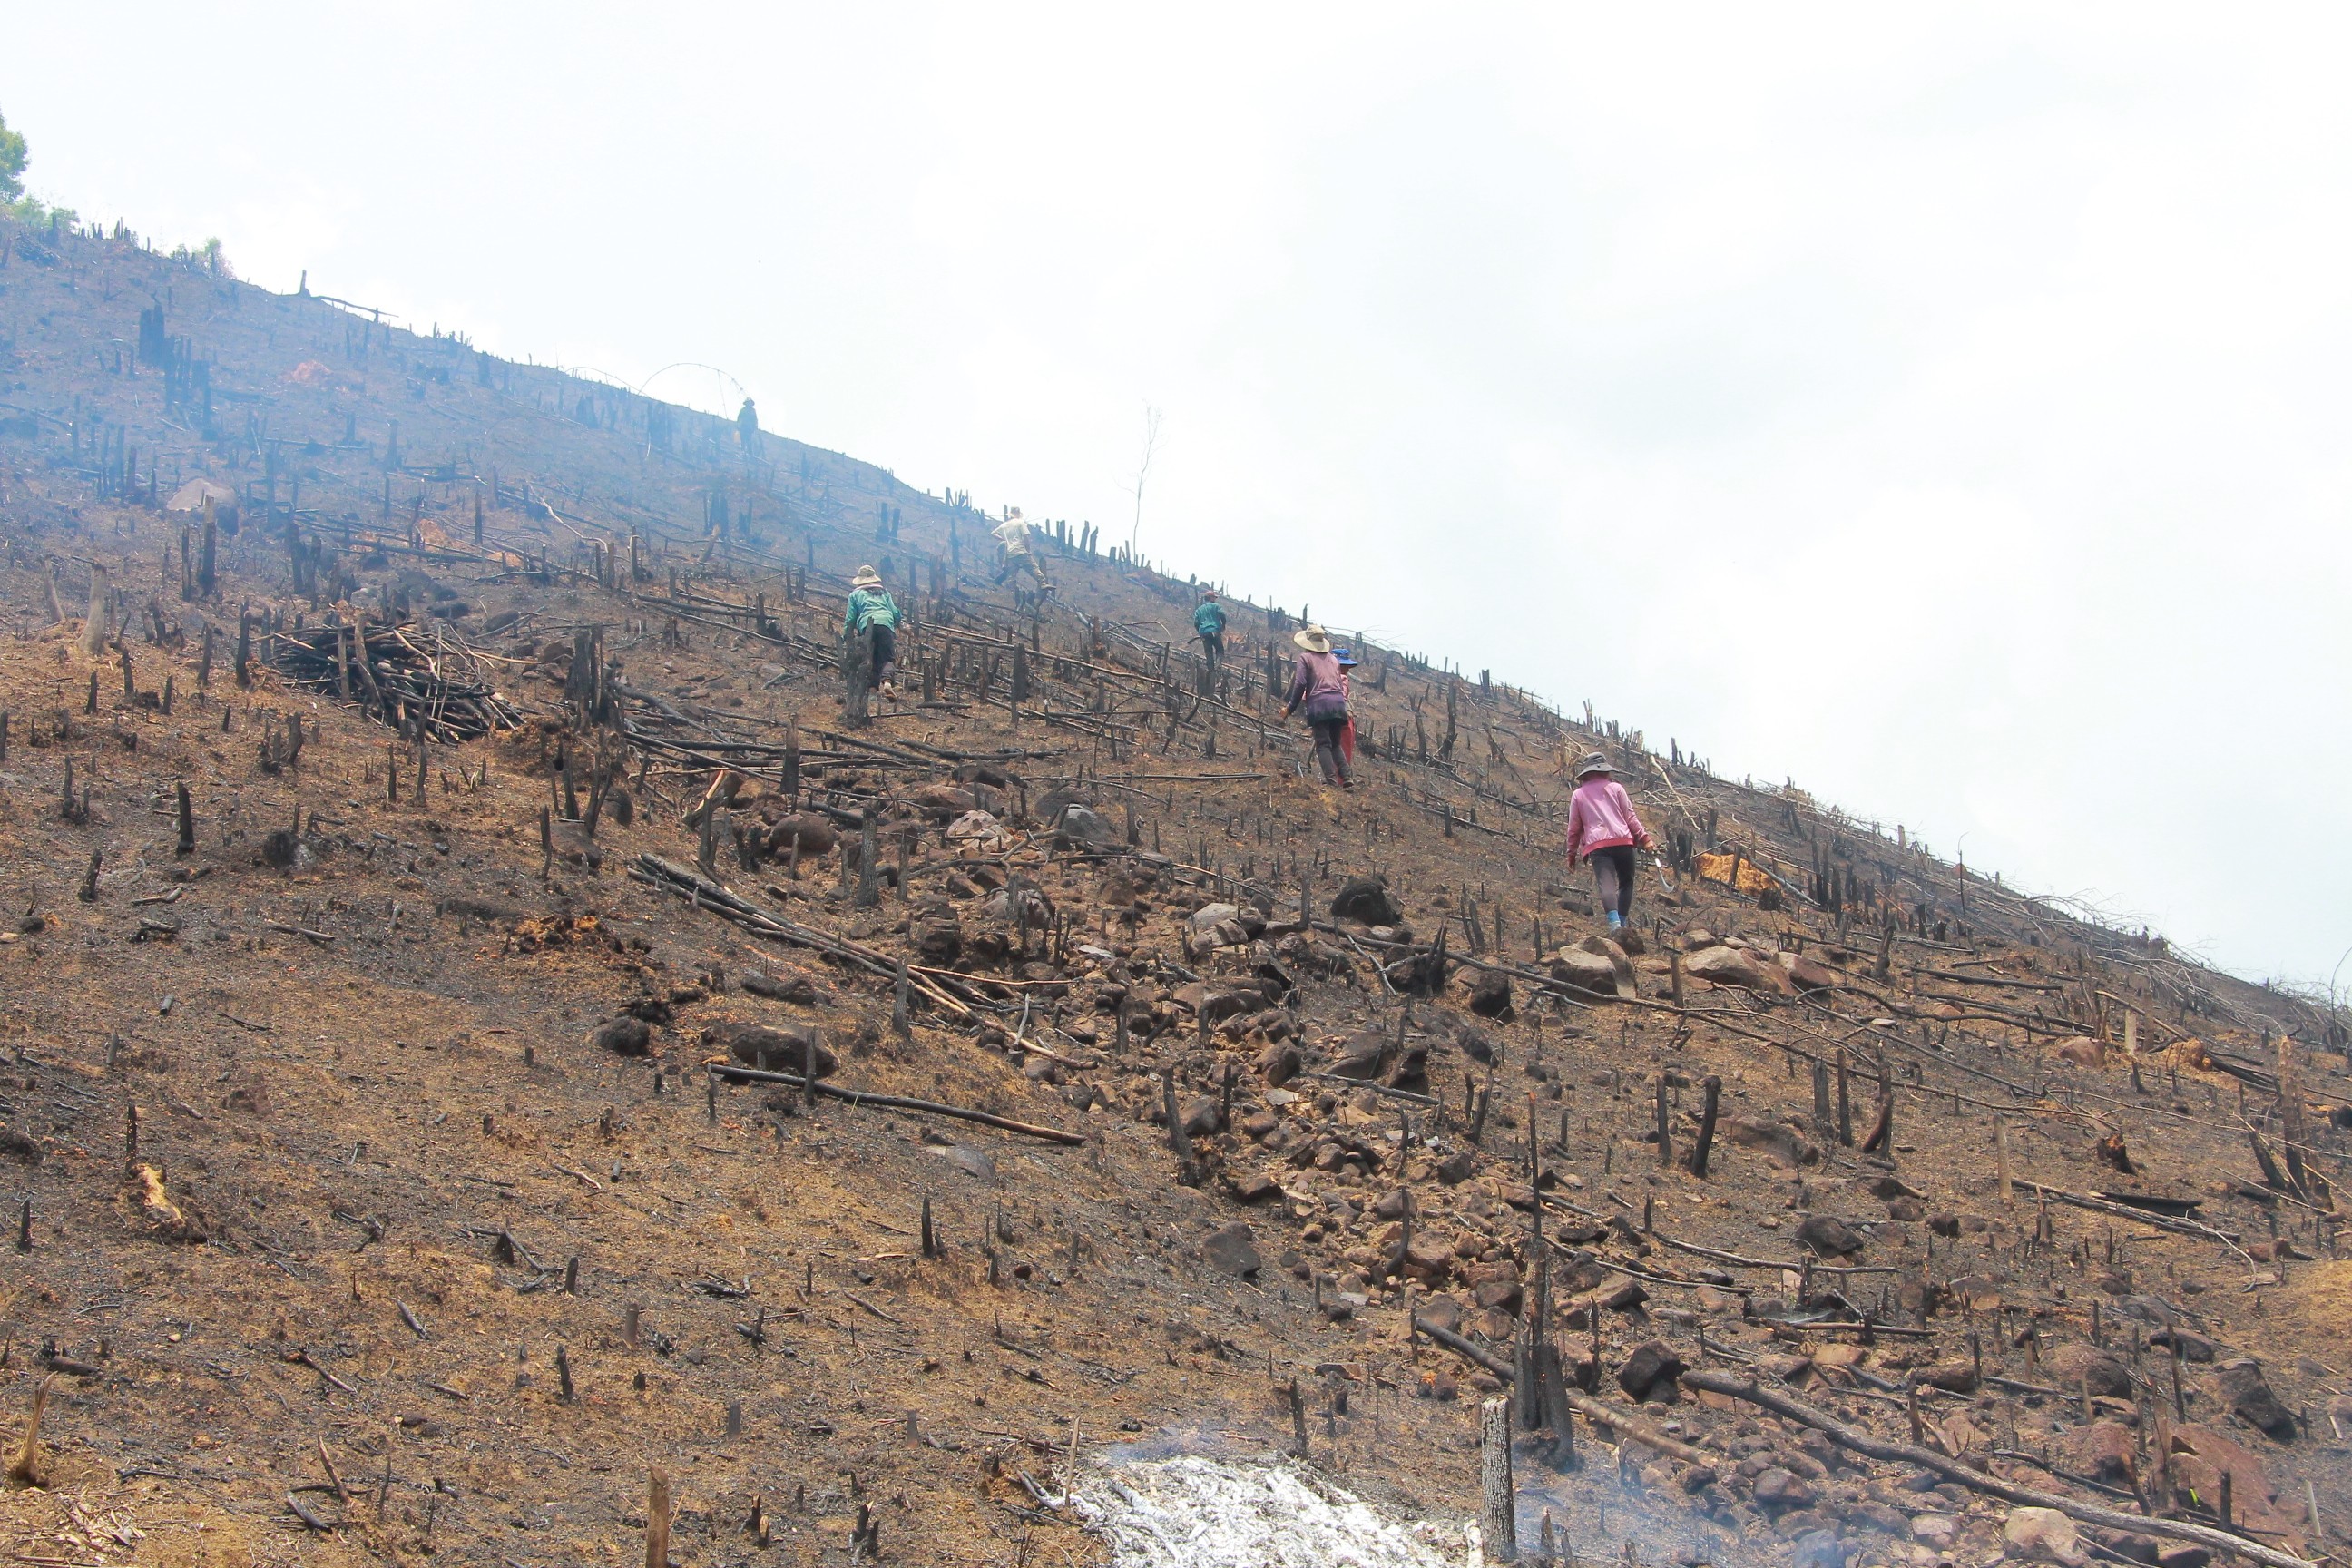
x=1616, y=921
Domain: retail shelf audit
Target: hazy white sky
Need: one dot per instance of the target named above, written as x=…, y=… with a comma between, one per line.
x=1945, y=407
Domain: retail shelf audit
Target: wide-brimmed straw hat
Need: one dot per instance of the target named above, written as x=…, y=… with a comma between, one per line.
x=1592, y=762
x=1314, y=639
x=866, y=578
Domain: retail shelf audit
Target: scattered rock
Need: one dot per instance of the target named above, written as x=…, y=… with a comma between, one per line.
x=1231, y=1249
x=1083, y=827
x=1829, y=1236
x=1808, y=974
x=1441, y=1311
x=1819, y=1549
x=1953, y=1377
x=1490, y=995
x=1778, y=1489
x=971, y=1161
x=943, y=802
x=1936, y=1531
x=1203, y=1115
x=1651, y=1362
x=1619, y=959
x=18, y=1147
x=817, y=835
x=939, y=940
x=794, y=988
x=623, y=1035
x=1280, y=1063
x=1590, y=973
x=769, y=1050
x=1367, y=899
x=2104, y=1451
x=977, y=832
x=1361, y=1056
x=1722, y=966
x=1254, y=1188
x=2248, y=1395
x=2069, y=1363
x=1783, y=1142
x=2043, y=1535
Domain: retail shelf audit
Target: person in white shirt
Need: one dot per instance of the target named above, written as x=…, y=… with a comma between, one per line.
x=1013, y=535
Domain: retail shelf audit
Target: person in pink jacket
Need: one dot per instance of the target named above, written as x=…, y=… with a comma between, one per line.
x=1603, y=828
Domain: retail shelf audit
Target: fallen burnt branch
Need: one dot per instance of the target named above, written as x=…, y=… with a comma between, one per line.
x=702, y=893
x=1860, y=1442
x=401, y=674
x=1591, y=1409
x=900, y=1102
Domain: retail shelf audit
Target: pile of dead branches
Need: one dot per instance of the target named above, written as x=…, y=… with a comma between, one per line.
x=422, y=683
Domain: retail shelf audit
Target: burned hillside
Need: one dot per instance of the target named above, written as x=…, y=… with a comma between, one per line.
x=496, y=1016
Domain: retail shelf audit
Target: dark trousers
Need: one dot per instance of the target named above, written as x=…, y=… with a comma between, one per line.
x=883, y=664
x=1613, y=870
x=1213, y=647
x=1328, y=756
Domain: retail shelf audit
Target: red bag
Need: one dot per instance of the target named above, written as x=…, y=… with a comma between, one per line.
x=1348, y=741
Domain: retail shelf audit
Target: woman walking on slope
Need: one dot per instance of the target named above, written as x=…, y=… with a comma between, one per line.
x=1318, y=683
x=873, y=614
x=1603, y=828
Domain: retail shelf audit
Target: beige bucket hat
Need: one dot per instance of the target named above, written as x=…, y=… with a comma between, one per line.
x=1314, y=639
x=866, y=578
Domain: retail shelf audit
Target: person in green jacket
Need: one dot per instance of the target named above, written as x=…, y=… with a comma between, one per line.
x=874, y=614
x=1209, y=626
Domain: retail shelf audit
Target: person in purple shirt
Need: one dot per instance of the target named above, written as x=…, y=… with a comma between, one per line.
x=1320, y=686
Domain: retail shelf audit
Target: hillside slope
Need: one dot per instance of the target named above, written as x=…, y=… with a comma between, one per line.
x=384, y=1157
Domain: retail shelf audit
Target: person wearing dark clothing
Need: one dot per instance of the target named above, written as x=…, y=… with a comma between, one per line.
x=874, y=614
x=1320, y=686
x=1209, y=626
x=747, y=425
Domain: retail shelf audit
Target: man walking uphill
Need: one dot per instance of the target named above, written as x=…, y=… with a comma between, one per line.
x=1603, y=828
x=1209, y=626
x=873, y=614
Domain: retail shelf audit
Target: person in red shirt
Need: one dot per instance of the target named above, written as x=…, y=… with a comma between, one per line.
x=1603, y=828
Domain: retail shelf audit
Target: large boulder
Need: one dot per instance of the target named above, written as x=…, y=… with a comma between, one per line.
x=768, y=1049
x=1367, y=899
x=1585, y=973
x=1723, y=966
